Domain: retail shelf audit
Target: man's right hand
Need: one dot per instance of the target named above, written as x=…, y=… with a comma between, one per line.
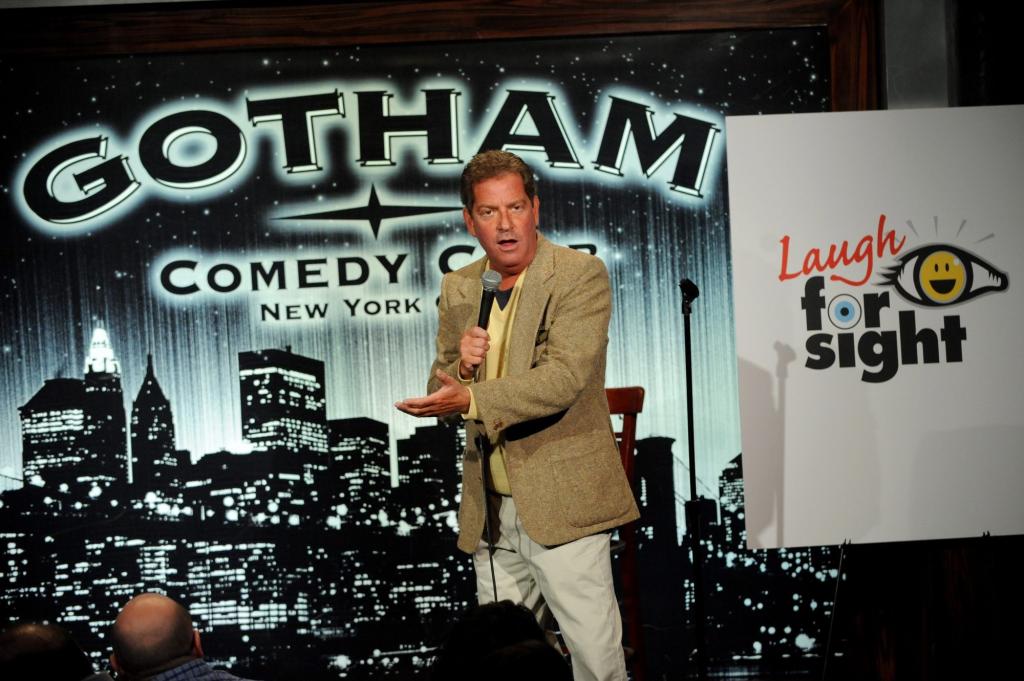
x=472, y=349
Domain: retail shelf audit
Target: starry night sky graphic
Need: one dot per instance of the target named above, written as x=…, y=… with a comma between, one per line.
x=59, y=286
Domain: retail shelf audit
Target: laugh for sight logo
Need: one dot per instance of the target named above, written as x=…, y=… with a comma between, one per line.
x=853, y=328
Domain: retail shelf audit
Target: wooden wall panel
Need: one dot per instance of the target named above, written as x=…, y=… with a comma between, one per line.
x=189, y=27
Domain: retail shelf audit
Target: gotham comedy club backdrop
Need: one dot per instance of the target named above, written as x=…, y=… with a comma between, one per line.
x=220, y=272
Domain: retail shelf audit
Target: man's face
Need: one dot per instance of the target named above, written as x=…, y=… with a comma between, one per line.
x=504, y=220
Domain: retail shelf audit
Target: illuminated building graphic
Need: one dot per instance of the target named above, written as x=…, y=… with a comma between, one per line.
x=73, y=430
x=360, y=471
x=429, y=465
x=155, y=460
x=105, y=441
x=284, y=405
x=301, y=548
x=663, y=563
x=53, y=428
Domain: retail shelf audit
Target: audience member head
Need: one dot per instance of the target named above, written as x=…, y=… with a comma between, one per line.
x=42, y=651
x=152, y=634
x=480, y=631
x=533, y=660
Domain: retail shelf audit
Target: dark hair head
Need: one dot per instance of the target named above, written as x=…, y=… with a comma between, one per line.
x=42, y=651
x=480, y=631
x=534, y=660
x=489, y=164
x=151, y=633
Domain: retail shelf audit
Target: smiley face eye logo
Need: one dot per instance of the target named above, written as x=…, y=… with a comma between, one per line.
x=940, y=274
x=941, y=277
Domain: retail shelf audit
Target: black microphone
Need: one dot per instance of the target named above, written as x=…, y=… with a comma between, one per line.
x=690, y=293
x=490, y=281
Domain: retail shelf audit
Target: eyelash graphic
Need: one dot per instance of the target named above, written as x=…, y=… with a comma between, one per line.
x=938, y=275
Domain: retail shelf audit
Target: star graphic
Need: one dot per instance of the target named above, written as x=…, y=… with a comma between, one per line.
x=373, y=212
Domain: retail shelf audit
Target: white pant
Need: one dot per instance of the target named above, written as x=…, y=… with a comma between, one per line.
x=574, y=580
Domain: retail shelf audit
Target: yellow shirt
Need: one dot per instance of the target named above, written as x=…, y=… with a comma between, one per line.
x=499, y=328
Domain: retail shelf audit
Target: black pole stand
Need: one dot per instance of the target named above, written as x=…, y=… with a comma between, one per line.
x=485, y=474
x=694, y=521
x=835, y=607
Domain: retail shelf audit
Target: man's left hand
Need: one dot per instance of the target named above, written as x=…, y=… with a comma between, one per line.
x=451, y=398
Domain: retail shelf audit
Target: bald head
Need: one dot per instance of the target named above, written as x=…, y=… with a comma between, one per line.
x=152, y=633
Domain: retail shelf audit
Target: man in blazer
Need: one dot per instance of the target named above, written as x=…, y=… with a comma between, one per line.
x=531, y=388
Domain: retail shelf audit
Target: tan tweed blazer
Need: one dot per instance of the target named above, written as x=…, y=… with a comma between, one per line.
x=563, y=466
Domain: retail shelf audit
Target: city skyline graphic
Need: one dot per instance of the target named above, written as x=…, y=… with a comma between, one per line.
x=302, y=544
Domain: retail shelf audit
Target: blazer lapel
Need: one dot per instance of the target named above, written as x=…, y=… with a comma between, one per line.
x=533, y=301
x=467, y=287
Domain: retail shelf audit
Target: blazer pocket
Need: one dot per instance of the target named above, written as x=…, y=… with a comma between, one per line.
x=590, y=485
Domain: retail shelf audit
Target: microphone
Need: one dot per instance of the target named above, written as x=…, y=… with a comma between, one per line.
x=490, y=281
x=690, y=293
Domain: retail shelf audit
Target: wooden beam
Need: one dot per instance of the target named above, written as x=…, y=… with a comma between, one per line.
x=216, y=26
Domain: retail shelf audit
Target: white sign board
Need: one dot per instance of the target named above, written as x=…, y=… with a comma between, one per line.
x=878, y=274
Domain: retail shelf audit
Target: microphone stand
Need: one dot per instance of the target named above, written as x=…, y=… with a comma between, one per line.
x=694, y=519
x=490, y=281
x=482, y=447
